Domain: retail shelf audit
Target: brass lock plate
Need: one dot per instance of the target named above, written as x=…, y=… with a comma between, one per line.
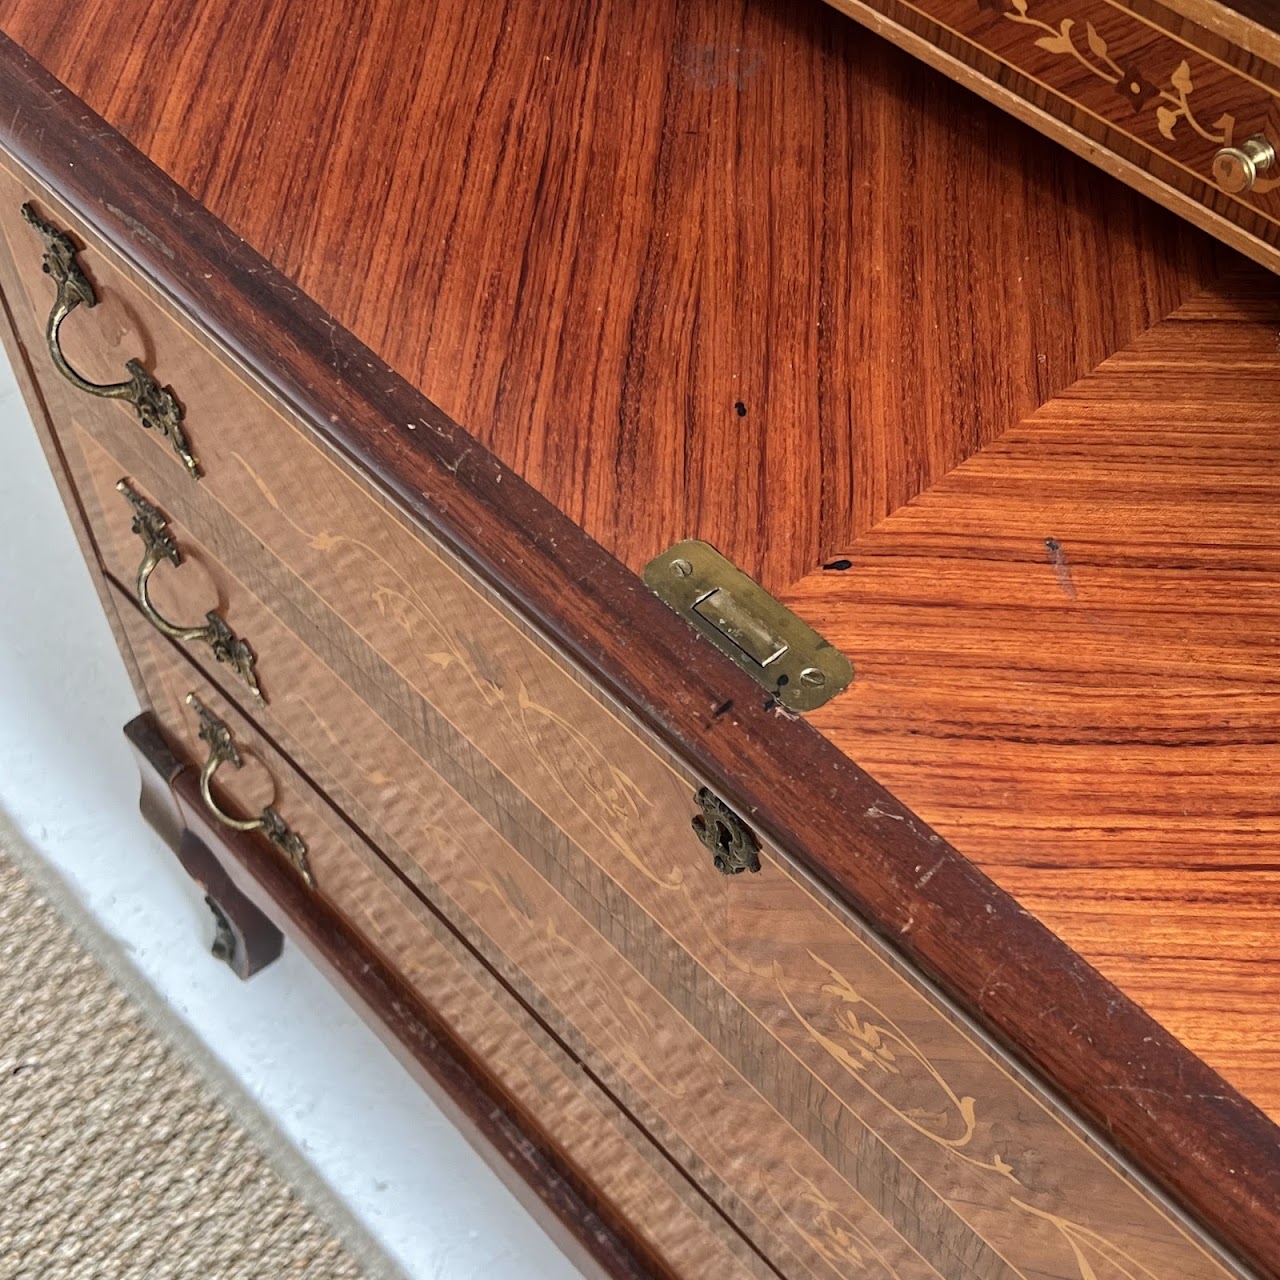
x=779, y=650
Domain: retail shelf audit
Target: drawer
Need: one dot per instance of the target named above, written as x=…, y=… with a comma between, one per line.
x=530, y=1067
x=792, y=1022
x=539, y=912
x=1160, y=101
x=838, y=1110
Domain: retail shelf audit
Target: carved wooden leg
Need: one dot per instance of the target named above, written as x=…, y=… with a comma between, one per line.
x=243, y=937
x=157, y=767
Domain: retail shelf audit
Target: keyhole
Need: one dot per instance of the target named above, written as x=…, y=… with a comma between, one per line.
x=724, y=841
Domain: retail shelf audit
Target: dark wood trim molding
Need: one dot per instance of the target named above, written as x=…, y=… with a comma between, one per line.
x=1151, y=1097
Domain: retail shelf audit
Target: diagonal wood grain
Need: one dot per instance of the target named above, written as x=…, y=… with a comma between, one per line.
x=735, y=271
x=1068, y=657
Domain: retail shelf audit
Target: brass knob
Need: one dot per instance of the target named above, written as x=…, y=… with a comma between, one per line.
x=1236, y=169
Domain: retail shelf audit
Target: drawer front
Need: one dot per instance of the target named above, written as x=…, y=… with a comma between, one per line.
x=829, y=1100
x=535, y=909
x=603, y=1144
x=1162, y=98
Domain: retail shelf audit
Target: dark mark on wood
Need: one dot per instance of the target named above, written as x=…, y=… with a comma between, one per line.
x=1058, y=559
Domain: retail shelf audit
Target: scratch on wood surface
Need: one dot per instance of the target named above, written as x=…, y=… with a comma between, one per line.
x=1061, y=568
x=141, y=230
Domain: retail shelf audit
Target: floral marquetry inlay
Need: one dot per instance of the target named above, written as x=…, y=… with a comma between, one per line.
x=1096, y=1257
x=888, y=1062
x=837, y=1238
x=1169, y=92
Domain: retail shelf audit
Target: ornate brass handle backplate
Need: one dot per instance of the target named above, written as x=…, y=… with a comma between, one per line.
x=156, y=407
x=223, y=750
x=159, y=544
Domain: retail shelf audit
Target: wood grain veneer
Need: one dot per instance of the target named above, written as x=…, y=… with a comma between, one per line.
x=588, y=233
x=1118, y=1066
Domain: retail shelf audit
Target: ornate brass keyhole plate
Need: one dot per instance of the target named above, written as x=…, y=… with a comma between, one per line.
x=734, y=847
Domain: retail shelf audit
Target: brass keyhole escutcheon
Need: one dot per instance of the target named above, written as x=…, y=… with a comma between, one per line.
x=724, y=842
x=734, y=847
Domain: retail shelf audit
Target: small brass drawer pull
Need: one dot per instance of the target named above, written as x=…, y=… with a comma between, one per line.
x=222, y=750
x=1236, y=169
x=150, y=525
x=155, y=405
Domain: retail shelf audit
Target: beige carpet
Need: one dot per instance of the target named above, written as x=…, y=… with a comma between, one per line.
x=117, y=1159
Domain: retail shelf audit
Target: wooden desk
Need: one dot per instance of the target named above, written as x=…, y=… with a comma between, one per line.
x=472, y=313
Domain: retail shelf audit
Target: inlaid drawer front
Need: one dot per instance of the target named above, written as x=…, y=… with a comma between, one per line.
x=540, y=913
x=625, y=1168
x=1157, y=89
x=734, y=1016
x=1172, y=99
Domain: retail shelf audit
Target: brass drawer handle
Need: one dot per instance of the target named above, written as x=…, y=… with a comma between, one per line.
x=223, y=750
x=156, y=406
x=150, y=525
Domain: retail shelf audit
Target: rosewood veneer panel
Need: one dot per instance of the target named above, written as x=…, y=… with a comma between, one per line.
x=1068, y=657
x=590, y=231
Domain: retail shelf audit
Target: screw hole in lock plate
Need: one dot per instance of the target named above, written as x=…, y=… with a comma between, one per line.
x=733, y=845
